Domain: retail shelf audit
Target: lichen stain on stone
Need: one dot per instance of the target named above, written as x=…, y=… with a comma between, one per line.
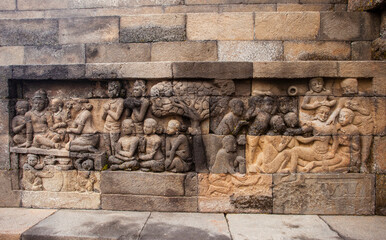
x=263, y=203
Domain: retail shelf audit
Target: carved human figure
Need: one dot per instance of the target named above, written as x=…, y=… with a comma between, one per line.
x=232, y=123
x=151, y=157
x=363, y=118
x=317, y=95
x=126, y=157
x=19, y=124
x=292, y=124
x=277, y=126
x=84, y=137
x=84, y=164
x=31, y=180
x=226, y=157
x=262, y=115
x=112, y=113
x=59, y=120
x=178, y=156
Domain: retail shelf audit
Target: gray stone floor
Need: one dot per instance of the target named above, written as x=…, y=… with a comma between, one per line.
x=24, y=223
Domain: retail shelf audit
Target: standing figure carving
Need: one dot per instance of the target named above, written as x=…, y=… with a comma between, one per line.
x=19, y=124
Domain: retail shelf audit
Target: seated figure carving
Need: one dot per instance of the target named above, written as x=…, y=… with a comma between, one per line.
x=231, y=123
x=19, y=124
x=317, y=96
x=226, y=157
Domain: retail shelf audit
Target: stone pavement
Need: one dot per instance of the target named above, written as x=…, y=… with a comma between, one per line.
x=24, y=223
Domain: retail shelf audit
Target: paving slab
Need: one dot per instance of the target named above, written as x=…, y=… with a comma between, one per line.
x=262, y=226
x=358, y=227
x=14, y=221
x=83, y=224
x=168, y=226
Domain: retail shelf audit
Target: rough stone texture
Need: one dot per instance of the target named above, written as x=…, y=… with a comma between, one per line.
x=168, y=226
x=148, y=203
x=220, y=70
x=5, y=74
x=5, y=116
x=140, y=183
x=286, y=26
x=305, y=51
x=260, y=226
x=129, y=3
x=340, y=7
x=380, y=195
x=15, y=221
x=378, y=48
x=362, y=69
x=89, y=225
x=380, y=113
x=56, y=54
x=190, y=9
x=294, y=69
x=237, y=1
x=73, y=200
x=247, y=8
x=240, y=51
x=379, y=153
x=42, y=4
x=129, y=70
x=364, y=5
x=224, y=26
x=8, y=5
x=152, y=28
x=11, y=55
x=184, y=51
x=88, y=30
x=348, y=26
x=304, y=7
x=358, y=227
x=324, y=194
x=48, y=72
x=28, y=32
x=191, y=184
x=9, y=196
x=379, y=85
x=117, y=52
x=4, y=151
x=361, y=50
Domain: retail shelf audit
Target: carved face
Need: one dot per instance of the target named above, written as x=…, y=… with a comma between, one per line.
x=32, y=160
x=76, y=106
x=21, y=109
x=238, y=109
x=148, y=128
x=345, y=118
x=277, y=124
x=229, y=144
x=267, y=106
x=284, y=106
x=291, y=119
x=55, y=106
x=38, y=104
x=113, y=90
x=316, y=85
x=138, y=89
x=127, y=127
x=322, y=114
x=172, y=127
x=349, y=89
x=87, y=165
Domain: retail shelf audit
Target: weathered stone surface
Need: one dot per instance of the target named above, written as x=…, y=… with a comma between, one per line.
x=129, y=70
x=260, y=226
x=379, y=153
x=304, y=7
x=148, y=203
x=73, y=200
x=191, y=184
x=294, y=69
x=380, y=195
x=88, y=30
x=48, y=72
x=89, y=224
x=117, y=52
x=324, y=194
x=129, y=3
x=10, y=197
x=28, y=32
x=57, y=54
x=378, y=49
x=42, y=4
x=286, y=26
x=358, y=227
x=220, y=70
x=247, y=8
x=4, y=151
x=237, y=1
x=5, y=116
x=305, y=51
x=152, y=28
x=361, y=50
x=224, y=26
x=340, y=7
x=348, y=26
x=184, y=51
x=247, y=51
x=362, y=69
x=5, y=74
x=379, y=85
x=380, y=113
x=168, y=226
x=142, y=183
x=15, y=221
x=7, y=5
x=11, y=55
x=190, y=9
x=364, y=5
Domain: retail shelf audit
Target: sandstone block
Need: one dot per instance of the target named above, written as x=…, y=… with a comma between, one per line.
x=224, y=26
x=28, y=32
x=148, y=203
x=5, y=116
x=248, y=51
x=324, y=194
x=4, y=151
x=48, y=72
x=321, y=1
x=287, y=26
x=378, y=47
x=304, y=7
x=340, y=8
x=219, y=70
x=117, y=52
x=7, y=5
x=11, y=55
x=294, y=69
x=363, y=5
x=362, y=69
x=130, y=3
x=237, y=1
x=379, y=85
x=88, y=30
x=191, y=8
x=54, y=54
x=248, y=8
x=152, y=28
x=305, y=51
x=380, y=113
x=42, y=4
x=184, y=51
x=5, y=74
x=379, y=153
x=361, y=50
x=380, y=194
x=9, y=196
x=129, y=70
x=191, y=184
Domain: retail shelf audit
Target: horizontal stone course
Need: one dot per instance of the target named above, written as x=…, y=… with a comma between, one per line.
x=12, y=55
x=225, y=70
x=250, y=51
x=117, y=52
x=316, y=50
x=9, y=196
x=54, y=54
x=8, y=5
x=48, y=71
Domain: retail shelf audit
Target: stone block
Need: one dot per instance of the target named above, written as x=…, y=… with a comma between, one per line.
x=191, y=184
x=380, y=113
x=340, y=8
x=249, y=51
x=361, y=50
x=294, y=69
x=130, y=3
x=364, y=5
x=21, y=15
x=117, y=52
x=215, y=26
x=54, y=54
x=184, y=51
x=380, y=195
x=88, y=30
x=5, y=116
x=287, y=26
x=321, y=1
x=324, y=194
x=11, y=55
x=348, y=26
x=243, y=88
x=379, y=85
x=152, y=28
x=129, y=70
x=48, y=72
x=4, y=151
x=143, y=183
x=10, y=197
x=304, y=7
x=362, y=69
x=237, y=1
x=148, y=203
x=43, y=4
x=378, y=47
x=28, y=32
x=247, y=8
x=8, y=5
x=190, y=8
x=5, y=74
x=70, y=200
x=219, y=70
x=306, y=51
